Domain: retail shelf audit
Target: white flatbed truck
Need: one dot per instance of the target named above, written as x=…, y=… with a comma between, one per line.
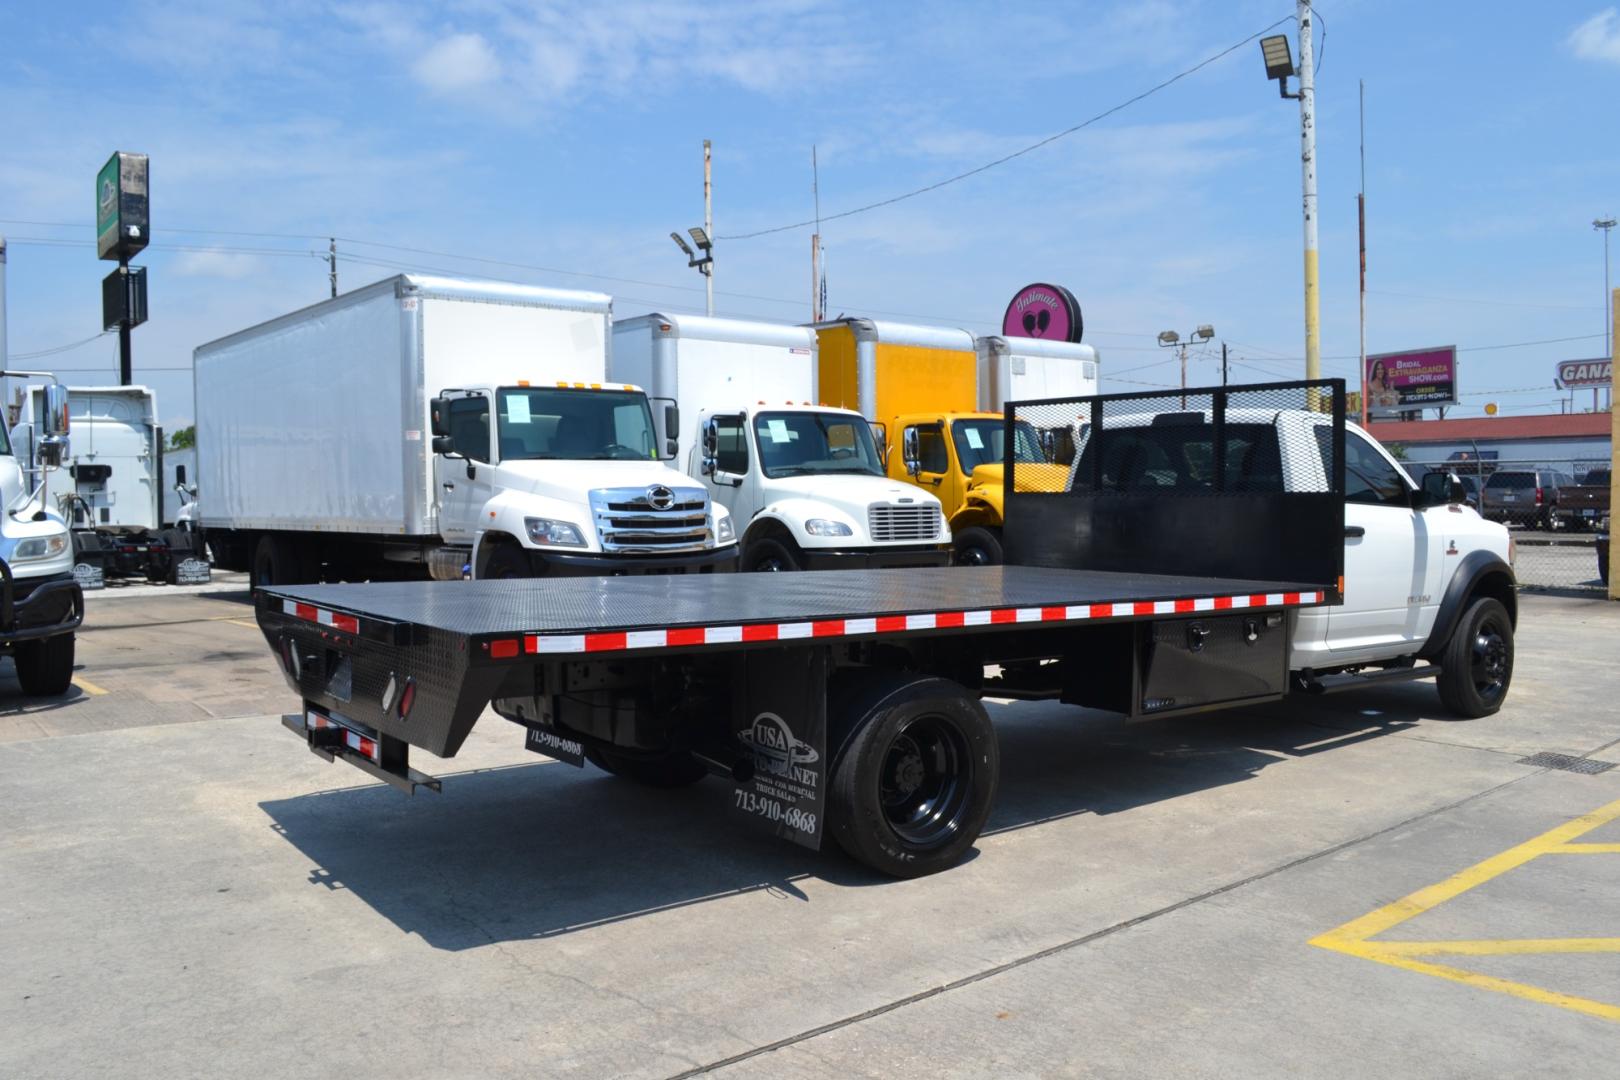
x=1194, y=556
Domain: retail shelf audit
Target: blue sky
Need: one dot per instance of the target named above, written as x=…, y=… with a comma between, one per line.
x=568, y=136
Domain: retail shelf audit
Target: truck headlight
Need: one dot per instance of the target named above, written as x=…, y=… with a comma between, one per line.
x=39, y=547
x=824, y=527
x=725, y=530
x=550, y=533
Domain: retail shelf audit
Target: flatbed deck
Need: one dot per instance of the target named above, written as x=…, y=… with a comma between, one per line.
x=628, y=614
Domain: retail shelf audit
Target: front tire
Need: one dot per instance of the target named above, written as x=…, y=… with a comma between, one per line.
x=769, y=555
x=508, y=561
x=45, y=665
x=976, y=546
x=915, y=782
x=1477, y=665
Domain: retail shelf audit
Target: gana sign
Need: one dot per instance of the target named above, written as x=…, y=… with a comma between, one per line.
x=1584, y=373
x=1043, y=311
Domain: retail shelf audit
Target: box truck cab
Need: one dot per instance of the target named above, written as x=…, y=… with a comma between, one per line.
x=804, y=482
x=41, y=605
x=425, y=426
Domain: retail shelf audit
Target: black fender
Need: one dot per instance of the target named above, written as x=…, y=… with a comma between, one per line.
x=1479, y=573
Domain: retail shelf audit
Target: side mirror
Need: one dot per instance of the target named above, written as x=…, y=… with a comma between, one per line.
x=711, y=447
x=53, y=450
x=672, y=430
x=56, y=410
x=180, y=476
x=439, y=418
x=909, y=452
x=880, y=436
x=1442, y=488
x=443, y=444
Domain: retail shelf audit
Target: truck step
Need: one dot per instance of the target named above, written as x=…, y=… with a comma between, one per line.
x=333, y=740
x=1333, y=684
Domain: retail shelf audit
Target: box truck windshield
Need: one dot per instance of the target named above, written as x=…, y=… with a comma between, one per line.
x=577, y=425
x=802, y=444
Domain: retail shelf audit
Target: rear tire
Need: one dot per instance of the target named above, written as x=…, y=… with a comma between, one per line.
x=45, y=665
x=279, y=560
x=675, y=770
x=1476, y=667
x=915, y=781
x=976, y=546
x=769, y=555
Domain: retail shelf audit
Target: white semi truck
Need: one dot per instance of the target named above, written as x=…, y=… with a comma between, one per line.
x=41, y=605
x=112, y=494
x=804, y=482
x=426, y=426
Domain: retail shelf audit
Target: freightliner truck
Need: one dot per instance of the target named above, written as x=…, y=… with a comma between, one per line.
x=41, y=605
x=803, y=481
x=1233, y=546
x=431, y=427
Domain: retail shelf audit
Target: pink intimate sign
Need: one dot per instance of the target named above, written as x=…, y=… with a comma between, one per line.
x=1043, y=311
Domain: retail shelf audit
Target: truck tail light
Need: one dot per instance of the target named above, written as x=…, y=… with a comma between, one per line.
x=407, y=699
x=1538, y=496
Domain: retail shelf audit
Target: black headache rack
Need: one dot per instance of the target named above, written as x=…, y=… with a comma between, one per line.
x=1128, y=576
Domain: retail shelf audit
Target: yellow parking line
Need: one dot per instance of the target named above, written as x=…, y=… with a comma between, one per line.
x=1353, y=938
x=87, y=686
x=244, y=622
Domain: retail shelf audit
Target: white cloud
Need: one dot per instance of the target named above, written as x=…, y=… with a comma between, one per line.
x=1598, y=38
x=457, y=63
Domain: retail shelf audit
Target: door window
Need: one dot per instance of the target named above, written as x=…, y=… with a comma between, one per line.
x=1368, y=476
x=469, y=426
x=731, y=448
x=931, y=450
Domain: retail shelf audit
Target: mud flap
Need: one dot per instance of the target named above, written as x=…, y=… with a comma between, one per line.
x=780, y=718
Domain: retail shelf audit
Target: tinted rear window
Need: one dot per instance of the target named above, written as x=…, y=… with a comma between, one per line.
x=1511, y=480
x=1181, y=457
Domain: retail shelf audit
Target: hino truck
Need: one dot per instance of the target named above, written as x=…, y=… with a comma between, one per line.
x=112, y=495
x=804, y=482
x=1214, y=549
x=41, y=604
x=424, y=426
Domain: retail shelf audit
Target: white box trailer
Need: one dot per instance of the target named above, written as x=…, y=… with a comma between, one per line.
x=804, y=481
x=319, y=458
x=1031, y=369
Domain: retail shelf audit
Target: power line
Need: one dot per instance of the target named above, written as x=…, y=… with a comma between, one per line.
x=57, y=349
x=1017, y=153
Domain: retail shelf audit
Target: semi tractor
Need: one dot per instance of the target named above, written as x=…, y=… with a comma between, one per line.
x=804, y=482
x=113, y=493
x=937, y=394
x=41, y=604
x=1232, y=546
x=433, y=427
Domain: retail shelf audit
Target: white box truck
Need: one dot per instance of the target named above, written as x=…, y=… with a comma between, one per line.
x=1031, y=369
x=426, y=426
x=804, y=482
x=112, y=493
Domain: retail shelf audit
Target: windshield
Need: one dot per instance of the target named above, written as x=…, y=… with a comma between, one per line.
x=978, y=442
x=803, y=443
x=576, y=425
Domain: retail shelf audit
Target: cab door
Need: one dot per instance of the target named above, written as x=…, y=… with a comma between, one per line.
x=1393, y=555
x=936, y=460
x=464, y=481
x=731, y=484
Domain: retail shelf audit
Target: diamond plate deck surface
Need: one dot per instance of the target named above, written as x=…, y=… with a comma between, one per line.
x=580, y=605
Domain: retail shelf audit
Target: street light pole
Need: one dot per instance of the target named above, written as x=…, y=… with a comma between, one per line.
x=1307, y=139
x=1604, y=225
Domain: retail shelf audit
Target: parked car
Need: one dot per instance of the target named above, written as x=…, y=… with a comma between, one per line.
x=1582, y=505
x=1526, y=497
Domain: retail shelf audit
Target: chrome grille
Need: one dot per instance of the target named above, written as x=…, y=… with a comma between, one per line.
x=627, y=520
x=901, y=523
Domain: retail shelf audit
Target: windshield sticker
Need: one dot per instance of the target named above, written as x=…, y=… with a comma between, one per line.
x=778, y=430
x=974, y=439
x=517, y=408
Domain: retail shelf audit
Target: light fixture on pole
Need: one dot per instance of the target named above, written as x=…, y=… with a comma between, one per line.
x=1169, y=339
x=1279, y=63
x=704, y=263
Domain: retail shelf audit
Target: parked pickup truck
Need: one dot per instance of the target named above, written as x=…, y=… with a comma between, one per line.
x=1583, y=505
x=1210, y=550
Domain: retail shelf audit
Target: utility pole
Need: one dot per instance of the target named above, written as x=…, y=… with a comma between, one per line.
x=708, y=220
x=1223, y=364
x=331, y=262
x=3, y=353
x=1604, y=225
x=1307, y=140
x=816, y=314
x=1361, y=243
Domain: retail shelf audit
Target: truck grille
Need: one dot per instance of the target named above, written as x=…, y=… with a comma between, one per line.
x=653, y=519
x=899, y=523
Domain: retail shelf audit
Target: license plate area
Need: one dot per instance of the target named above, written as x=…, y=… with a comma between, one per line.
x=335, y=732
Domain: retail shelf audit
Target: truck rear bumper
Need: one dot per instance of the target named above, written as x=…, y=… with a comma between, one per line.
x=877, y=559
x=39, y=607
x=718, y=561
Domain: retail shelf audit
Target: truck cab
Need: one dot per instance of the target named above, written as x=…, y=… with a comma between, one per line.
x=808, y=486
x=566, y=479
x=41, y=605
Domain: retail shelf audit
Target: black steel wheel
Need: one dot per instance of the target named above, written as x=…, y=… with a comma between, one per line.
x=916, y=777
x=976, y=546
x=769, y=556
x=508, y=561
x=1477, y=666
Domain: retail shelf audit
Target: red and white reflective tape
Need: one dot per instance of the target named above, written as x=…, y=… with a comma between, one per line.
x=335, y=619
x=351, y=738
x=630, y=640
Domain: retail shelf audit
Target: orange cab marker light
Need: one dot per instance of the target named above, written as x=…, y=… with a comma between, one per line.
x=523, y=382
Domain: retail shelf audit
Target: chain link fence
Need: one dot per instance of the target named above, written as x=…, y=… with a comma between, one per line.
x=1557, y=510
